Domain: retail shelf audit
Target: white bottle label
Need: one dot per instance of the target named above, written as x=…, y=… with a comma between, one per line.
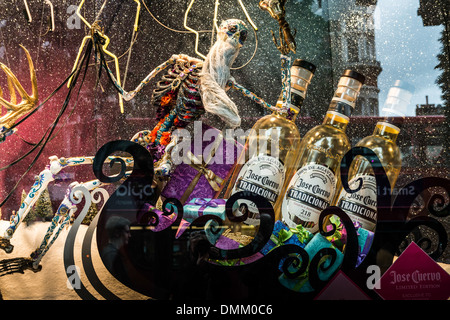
x=263, y=175
x=361, y=206
x=310, y=191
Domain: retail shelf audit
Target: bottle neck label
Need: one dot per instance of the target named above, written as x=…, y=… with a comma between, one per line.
x=296, y=100
x=309, y=192
x=342, y=107
x=361, y=206
x=263, y=175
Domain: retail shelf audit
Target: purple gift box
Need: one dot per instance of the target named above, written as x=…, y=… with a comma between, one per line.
x=205, y=168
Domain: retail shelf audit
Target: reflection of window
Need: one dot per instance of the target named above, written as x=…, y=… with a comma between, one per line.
x=360, y=106
x=362, y=52
x=370, y=50
x=373, y=106
x=352, y=49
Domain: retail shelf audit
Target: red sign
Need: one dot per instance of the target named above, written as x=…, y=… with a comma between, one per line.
x=414, y=276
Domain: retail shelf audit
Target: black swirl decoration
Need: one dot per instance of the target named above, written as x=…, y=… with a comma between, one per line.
x=163, y=266
x=267, y=220
x=387, y=221
x=350, y=252
x=384, y=215
x=128, y=201
x=402, y=204
x=148, y=216
x=259, y=278
x=393, y=225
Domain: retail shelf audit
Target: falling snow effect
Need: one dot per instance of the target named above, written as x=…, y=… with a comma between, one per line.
x=405, y=49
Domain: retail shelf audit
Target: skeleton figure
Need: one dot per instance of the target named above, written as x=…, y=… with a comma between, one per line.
x=192, y=87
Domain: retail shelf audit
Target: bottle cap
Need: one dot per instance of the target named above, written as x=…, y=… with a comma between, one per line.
x=348, y=89
x=398, y=99
x=354, y=75
x=304, y=64
x=302, y=73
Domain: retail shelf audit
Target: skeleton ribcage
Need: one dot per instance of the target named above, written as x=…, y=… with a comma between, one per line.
x=179, y=91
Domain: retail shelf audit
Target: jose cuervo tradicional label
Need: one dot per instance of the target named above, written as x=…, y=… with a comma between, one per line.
x=361, y=206
x=263, y=175
x=310, y=191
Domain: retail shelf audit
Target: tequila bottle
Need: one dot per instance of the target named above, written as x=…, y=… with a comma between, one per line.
x=312, y=187
x=269, y=154
x=361, y=206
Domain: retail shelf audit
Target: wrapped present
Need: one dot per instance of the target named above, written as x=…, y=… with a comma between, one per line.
x=339, y=238
x=203, y=170
x=301, y=283
x=365, y=239
x=317, y=243
x=282, y=234
x=199, y=207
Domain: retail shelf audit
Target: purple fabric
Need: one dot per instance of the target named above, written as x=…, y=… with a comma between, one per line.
x=184, y=174
x=365, y=239
x=226, y=243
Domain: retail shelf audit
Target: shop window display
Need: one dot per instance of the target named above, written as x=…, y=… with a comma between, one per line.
x=142, y=110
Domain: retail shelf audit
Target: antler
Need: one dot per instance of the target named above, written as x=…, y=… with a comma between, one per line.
x=16, y=110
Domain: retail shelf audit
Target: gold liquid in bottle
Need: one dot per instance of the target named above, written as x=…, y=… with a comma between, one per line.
x=313, y=185
x=361, y=206
x=269, y=154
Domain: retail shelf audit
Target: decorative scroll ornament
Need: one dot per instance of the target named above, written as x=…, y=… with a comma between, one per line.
x=201, y=167
x=291, y=260
x=393, y=225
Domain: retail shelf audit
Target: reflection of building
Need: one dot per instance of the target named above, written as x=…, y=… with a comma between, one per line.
x=352, y=36
x=431, y=12
x=429, y=109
